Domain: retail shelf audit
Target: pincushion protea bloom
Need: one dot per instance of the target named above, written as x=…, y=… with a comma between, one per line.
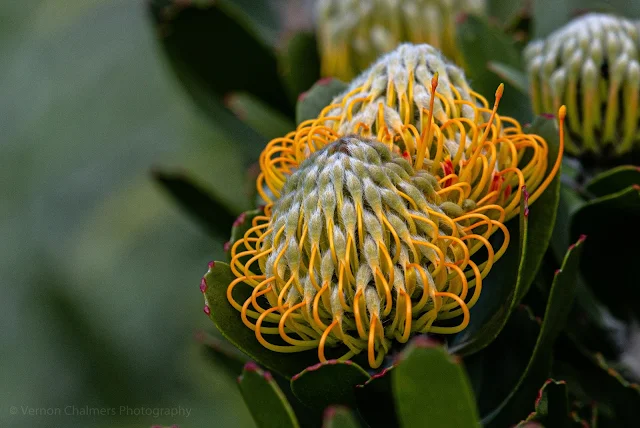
x=591, y=66
x=354, y=33
x=370, y=226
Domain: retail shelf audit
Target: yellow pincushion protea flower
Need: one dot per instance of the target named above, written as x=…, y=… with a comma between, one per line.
x=354, y=33
x=590, y=65
x=370, y=226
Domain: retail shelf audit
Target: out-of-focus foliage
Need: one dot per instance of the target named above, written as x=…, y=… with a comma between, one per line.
x=98, y=269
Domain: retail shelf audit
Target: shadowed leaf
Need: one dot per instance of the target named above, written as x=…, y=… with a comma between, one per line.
x=266, y=402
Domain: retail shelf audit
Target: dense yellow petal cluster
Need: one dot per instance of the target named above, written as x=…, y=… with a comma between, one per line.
x=376, y=207
x=591, y=66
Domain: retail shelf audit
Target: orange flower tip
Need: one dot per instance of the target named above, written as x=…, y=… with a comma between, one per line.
x=207, y=310
x=434, y=82
x=203, y=285
x=211, y=265
x=525, y=197
x=227, y=246
x=562, y=112
x=499, y=91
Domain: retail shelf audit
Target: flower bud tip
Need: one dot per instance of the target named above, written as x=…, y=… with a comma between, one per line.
x=562, y=112
x=203, y=285
x=207, y=310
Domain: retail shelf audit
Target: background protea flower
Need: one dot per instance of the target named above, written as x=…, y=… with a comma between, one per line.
x=591, y=66
x=353, y=33
x=370, y=225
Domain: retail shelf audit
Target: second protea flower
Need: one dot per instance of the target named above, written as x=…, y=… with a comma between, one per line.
x=354, y=33
x=590, y=65
x=378, y=209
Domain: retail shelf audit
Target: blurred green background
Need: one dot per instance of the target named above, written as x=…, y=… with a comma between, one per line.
x=99, y=269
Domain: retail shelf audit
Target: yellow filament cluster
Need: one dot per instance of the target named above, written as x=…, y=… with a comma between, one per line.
x=361, y=274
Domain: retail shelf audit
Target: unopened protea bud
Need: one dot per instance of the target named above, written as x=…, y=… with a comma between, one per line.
x=353, y=33
x=369, y=229
x=590, y=65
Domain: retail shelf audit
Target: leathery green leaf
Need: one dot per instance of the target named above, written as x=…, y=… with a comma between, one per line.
x=331, y=382
x=561, y=297
x=429, y=384
x=339, y=417
x=267, y=404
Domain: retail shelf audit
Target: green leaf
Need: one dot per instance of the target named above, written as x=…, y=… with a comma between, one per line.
x=496, y=370
x=480, y=44
x=222, y=354
x=569, y=202
x=552, y=406
x=267, y=404
x=339, y=417
x=613, y=180
x=508, y=74
x=560, y=298
x=506, y=11
x=215, y=50
x=311, y=103
x=299, y=63
x=197, y=201
x=591, y=379
x=230, y=324
x=265, y=120
x=611, y=222
x=510, y=279
x=327, y=383
x=593, y=325
x=429, y=384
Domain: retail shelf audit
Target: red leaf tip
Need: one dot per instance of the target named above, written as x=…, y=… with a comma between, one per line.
x=251, y=367
x=525, y=195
